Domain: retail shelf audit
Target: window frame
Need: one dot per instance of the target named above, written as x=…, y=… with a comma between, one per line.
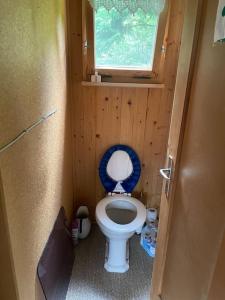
x=121, y=75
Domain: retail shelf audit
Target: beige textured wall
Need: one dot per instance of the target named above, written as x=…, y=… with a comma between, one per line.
x=37, y=171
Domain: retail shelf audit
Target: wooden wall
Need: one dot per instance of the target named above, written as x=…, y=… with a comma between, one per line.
x=36, y=172
x=104, y=116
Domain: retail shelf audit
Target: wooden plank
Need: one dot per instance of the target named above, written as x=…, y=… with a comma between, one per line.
x=87, y=40
x=151, y=150
x=84, y=147
x=125, y=84
x=108, y=122
x=133, y=120
x=74, y=37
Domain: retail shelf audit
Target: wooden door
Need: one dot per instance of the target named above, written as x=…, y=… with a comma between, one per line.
x=191, y=261
x=187, y=56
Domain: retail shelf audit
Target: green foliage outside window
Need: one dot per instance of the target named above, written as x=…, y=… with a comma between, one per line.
x=125, y=40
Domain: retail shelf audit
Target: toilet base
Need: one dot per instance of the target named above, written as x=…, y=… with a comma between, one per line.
x=121, y=268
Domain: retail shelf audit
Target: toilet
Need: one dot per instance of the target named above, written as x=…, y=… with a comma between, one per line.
x=119, y=215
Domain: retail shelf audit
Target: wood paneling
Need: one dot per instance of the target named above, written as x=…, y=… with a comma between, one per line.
x=106, y=116
x=125, y=84
x=138, y=117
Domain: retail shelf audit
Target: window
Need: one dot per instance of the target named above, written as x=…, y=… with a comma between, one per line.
x=123, y=46
x=124, y=40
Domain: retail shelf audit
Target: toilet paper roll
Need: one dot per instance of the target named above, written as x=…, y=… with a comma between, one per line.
x=152, y=214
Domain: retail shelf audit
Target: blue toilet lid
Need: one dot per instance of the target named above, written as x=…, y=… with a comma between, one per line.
x=127, y=184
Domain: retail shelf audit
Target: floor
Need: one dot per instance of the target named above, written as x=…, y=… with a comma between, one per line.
x=89, y=279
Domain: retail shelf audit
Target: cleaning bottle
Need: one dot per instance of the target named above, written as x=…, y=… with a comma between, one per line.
x=149, y=233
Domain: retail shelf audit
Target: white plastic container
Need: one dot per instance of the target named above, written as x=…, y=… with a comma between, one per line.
x=152, y=215
x=84, y=223
x=148, y=238
x=96, y=77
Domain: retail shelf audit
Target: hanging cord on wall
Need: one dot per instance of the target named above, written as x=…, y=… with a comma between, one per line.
x=27, y=130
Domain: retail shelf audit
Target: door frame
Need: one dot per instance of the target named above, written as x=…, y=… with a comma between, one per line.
x=186, y=63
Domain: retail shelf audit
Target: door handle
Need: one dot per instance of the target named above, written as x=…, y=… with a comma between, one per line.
x=166, y=173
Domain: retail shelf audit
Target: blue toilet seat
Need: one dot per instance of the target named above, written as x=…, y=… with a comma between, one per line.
x=129, y=183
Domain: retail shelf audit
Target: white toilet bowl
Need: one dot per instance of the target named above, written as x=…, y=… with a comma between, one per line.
x=119, y=217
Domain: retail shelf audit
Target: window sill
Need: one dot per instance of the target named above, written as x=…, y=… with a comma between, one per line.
x=125, y=84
